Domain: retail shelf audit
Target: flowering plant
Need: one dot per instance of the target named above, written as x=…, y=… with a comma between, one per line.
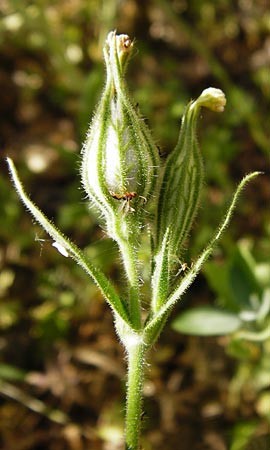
x=137, y=194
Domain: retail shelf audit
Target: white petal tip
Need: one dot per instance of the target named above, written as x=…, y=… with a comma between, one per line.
x=61, y=249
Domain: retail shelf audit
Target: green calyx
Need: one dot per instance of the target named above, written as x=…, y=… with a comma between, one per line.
x=120, y=160
x=182, y=179
x=180, y=187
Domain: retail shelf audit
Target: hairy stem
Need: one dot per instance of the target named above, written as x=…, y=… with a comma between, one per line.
x=136, y=357
x=129, y=256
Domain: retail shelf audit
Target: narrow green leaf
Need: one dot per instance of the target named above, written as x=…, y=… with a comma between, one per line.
x=152, y=328
x=34, y=404
x=70, y=249
x=242, y=434
x=206, y=321
x=235, y=282
x=11, y=373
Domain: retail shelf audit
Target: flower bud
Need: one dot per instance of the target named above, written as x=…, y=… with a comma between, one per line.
x=120, y=161
x=213, y=99
x=182, y=178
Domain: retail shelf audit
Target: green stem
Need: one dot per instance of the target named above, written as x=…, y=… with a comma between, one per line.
x=136, y=357
x=129, y=255
x=258, y=336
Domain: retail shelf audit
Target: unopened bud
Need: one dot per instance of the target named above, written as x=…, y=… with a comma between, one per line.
x=213, y=99
x=182, y=179
x=120, y=160
x=122, y=45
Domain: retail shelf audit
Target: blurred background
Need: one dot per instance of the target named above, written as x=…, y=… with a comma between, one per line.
x=61, y=368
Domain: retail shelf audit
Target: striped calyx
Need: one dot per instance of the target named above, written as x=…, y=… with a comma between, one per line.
x=182, y=179
x=120, y=160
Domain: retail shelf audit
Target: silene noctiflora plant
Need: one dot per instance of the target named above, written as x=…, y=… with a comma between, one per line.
x=136, y=194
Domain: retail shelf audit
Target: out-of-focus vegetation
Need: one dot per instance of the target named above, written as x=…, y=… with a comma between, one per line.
x=242, y=310
x=61, y=370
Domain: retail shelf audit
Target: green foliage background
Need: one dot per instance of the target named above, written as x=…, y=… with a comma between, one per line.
x=54, y=327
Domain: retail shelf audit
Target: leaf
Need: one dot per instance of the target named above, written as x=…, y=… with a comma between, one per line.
x=34, y=404
x=72, y=250
x=242, y=434
x=11, y=373
x=241, y=276
x=152, y=330
x=206, y=321
x=235, y=281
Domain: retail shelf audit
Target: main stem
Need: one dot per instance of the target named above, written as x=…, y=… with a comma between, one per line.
x=129, y=255
x=136, y=358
